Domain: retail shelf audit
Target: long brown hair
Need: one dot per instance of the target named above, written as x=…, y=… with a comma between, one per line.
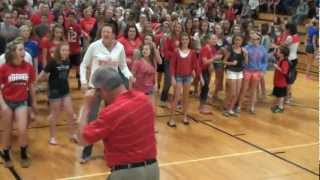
x=152, y=60
x=57, y=54
x=173, y=30
x=53, y=30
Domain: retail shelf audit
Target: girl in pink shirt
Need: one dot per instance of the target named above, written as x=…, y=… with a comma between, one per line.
x=144, y=70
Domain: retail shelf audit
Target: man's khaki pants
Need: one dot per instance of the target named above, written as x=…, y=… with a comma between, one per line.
x=149, y=172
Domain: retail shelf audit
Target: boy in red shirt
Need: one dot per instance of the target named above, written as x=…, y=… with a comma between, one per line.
x=280, y=79
x=73, y=34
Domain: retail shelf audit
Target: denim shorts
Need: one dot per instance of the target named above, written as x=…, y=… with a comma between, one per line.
x=17, y=104
x=184, y=79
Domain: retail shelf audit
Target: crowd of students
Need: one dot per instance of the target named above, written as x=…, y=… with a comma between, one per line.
x=152, y=46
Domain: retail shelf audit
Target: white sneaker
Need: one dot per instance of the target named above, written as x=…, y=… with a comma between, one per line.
x=237, y=109
x=252, y=110
x=53, y=141
x=162, y=104
x=287, y=101
x=74, y=138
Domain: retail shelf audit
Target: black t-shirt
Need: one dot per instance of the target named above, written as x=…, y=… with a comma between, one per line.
x=58, y=78
x=239, y=57
x=2, y=44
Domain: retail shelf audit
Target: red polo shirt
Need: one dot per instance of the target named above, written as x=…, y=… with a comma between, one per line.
x=126, y=127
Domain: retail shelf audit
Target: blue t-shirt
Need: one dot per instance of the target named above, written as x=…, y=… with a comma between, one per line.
x=32, y=48
x=258, y=58
x=311, y=32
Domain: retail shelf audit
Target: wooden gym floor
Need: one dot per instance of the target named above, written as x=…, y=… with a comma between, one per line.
x=262, y=146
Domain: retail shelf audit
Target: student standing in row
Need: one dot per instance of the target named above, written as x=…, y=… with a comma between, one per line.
x=280, y=84
x=182, y=65
x=235, y=59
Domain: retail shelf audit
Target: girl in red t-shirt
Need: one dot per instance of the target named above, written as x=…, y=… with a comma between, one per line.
x=171, y=43
x=206, y=58
x=87, y=23
x=49, y=43
x=56, y=38
x=184, y=61
x=131, y=42
x=16, y=80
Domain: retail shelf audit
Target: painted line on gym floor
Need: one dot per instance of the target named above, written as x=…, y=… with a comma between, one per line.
x=254, y=145
x=201, y=159
x=260, y=148
x=65, y=124
x=11, y=169
x=251, y=144
x=303, y=106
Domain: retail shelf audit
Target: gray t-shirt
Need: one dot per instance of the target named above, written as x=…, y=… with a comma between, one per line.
x=9, y=32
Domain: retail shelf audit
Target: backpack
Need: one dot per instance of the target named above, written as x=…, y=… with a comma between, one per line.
x=292, y=74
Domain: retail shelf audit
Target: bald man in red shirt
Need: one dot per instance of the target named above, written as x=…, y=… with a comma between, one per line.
x=126, y=126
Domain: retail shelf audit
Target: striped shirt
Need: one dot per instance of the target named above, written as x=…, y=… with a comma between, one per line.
x=126, y=127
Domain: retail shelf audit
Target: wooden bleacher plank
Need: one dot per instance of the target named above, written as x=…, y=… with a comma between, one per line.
x=301, y=29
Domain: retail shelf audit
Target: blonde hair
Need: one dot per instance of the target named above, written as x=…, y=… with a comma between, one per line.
x=25, y=27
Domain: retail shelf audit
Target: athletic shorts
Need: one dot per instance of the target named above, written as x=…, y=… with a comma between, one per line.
x=56, y=94
x=75, y=59
x=279, y=92
x=218, y=66
x=57, y=98
x=254, y=75
x=160, y=68
x=234, y=75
